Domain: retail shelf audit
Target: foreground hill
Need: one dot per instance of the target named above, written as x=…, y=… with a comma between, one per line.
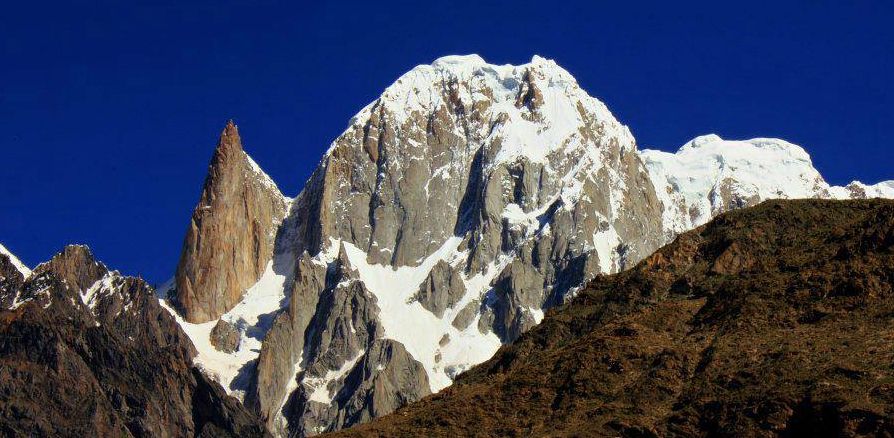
x=773, y=320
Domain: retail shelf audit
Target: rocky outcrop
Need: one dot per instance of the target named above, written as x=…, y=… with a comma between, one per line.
x=11, y=279
x=87, y=352
x=224, y=337
x=768, y=321
x=329, y=344
x=230, y=238
x=442, y=288
x=75, y=266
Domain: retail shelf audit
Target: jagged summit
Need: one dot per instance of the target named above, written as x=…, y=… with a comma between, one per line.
x=75, y=265
x=538, y=104
x=229, y=141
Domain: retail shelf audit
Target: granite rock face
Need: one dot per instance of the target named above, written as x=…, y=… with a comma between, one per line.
x=88, y=352
x=230, y=238
x=284, y=344
x=339, y=356
x=381, y=380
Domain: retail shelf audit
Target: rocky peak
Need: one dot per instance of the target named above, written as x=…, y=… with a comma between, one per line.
x=420, y=208
x=441, y=143
x=76, y=266
x=229, y=242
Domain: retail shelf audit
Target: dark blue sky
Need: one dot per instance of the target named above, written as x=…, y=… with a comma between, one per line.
x=109, y=111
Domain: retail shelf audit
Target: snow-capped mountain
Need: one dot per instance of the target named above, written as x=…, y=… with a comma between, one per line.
x=440, y=224
x=709, y=175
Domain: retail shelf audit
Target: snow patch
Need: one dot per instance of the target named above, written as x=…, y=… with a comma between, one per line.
x=605, y=243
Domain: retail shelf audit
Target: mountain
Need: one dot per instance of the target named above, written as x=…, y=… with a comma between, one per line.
x=85, y=351
x=709, y=175
x=454, y=209
x=769, y=321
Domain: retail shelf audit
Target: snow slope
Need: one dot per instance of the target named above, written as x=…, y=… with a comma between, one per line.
x=884, y=189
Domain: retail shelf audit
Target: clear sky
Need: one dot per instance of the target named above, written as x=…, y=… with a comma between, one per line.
x=109, y=111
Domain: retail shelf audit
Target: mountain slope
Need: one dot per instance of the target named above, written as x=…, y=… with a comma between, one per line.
x=774, y=320
x=85, y=351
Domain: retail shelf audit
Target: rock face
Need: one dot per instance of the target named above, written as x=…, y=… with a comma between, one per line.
x=12, y=275
x=451, y=213
x=374, y=384
x=769, y=321
x=85, y=351
x=347, y=372
x=230, y=237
